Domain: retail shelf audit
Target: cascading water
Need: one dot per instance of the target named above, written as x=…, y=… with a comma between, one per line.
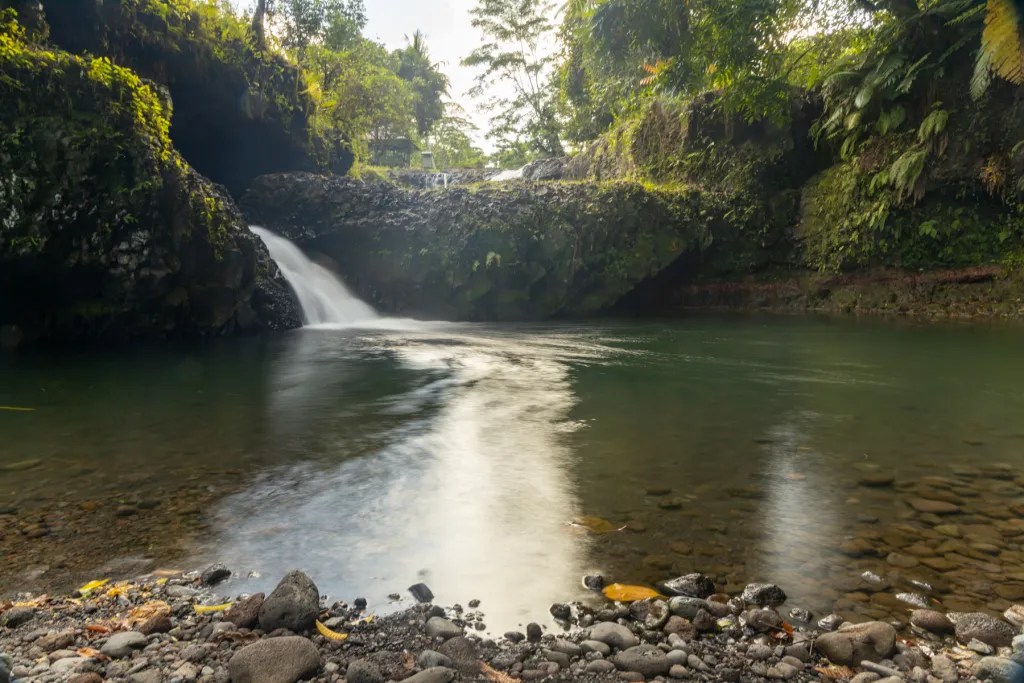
x=516, y=174
x=324, y=300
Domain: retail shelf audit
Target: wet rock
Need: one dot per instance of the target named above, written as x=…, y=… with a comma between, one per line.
x=5, y=668
x=595, y=646
x=177, y=591
x=694, y=585
x=566, y=647
x=686, y=607
x=1015, y=615
x=122, y=645
x=363, y=671
x=561, y=611
x=214, y=574
x=678, y=626
x=981, y=648
x=158, y=623
x=673, y=503
x=294, y=604
x=439, y=627
x=16, y=616
x=646, y=659
x=615, y=635
x=944, y=669
x=782, y=671
x=593, y=582
x=987, y=629
x=877, y=480
x=930, y=620
x=763, y=620
x=800, y=614
x=559, y=658
x=865, y=677
x=763, y=594
x=463, y=653
x=830, y=622
x=902, y=561
x=421, y=592
x=514, y=636
x=999, y=670
x=934, y=507
x=428, y=659
x=436, y=674
x=600, y=666
x=533, y=632
x=634, y=676
x=245, y=613
x=275, y=660
x=56, y=640
x=854, y=643
x=90, y=677
x=704, y=622
x=653, y=613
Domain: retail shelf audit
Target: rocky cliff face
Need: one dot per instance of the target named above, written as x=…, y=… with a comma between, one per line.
x=105, y=231
x=239, y=111
x=492, y=252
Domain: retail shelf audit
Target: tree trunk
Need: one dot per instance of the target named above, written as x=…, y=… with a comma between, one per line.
x=259, y=18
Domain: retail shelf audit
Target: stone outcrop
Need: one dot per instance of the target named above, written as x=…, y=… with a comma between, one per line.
x=105, y=231
x=492, y=252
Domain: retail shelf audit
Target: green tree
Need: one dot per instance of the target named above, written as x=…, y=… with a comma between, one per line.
x=360, y=95
x=451, y=143
x=514, y=54
x=428, y=83
x=301, y=23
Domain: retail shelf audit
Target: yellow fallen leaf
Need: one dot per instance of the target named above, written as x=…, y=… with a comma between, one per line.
x=149, y=610
x=597, y=525
x=161, y=582
x=622, y=592
x=329, y=634
x=495, y=676
x=92, y=585
x=90, y=653
x=206, y=609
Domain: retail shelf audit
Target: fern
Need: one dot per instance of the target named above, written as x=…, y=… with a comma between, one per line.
x=1002, y=43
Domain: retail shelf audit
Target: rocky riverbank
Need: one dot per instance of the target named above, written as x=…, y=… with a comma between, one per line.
x=182, y=628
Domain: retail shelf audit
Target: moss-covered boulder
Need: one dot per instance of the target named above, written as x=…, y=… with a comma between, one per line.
x=239, y=110
x=507, y=251
x=105, y=231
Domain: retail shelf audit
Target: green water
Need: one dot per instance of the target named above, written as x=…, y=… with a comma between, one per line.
x=461, y=455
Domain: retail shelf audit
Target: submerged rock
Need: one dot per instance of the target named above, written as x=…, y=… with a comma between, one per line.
x=763, y=594
x=694, y=585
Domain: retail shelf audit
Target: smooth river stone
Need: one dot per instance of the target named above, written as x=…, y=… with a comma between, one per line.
x=877, y=480
x=902, y=561
x=935, y=507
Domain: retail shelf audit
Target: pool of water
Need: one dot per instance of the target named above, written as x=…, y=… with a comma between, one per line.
x=503, y=463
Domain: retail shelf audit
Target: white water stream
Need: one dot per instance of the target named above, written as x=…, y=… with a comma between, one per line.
x=323, y=298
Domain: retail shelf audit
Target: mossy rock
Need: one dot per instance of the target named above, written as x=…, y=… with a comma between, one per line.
x=510, y=251
x=105, y=231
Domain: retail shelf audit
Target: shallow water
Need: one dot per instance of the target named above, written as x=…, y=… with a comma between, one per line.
x=460, y=455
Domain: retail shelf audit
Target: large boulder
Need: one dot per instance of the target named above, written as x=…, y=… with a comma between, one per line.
x=105, y=232
x=980, y=626
x=854, y=643
x=494, y=252
x=294, y=604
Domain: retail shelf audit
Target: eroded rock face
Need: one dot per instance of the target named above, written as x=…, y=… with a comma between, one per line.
x=105, y=232
x=516, y=251
x=238, y=112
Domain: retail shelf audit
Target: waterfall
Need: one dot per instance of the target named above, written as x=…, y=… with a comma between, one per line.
x=517, y=174
x=324, y=300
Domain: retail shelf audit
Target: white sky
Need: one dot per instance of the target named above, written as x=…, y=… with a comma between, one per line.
x=450, y=37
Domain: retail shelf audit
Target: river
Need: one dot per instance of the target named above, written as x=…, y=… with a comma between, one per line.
x=504, y=462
